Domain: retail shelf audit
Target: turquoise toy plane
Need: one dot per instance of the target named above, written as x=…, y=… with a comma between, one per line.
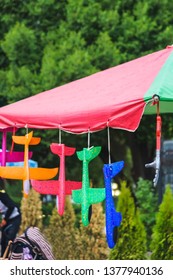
x=87, y=196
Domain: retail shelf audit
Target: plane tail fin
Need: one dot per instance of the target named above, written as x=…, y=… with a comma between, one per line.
x=27, y=139
x=58, y=149
x=89, y=154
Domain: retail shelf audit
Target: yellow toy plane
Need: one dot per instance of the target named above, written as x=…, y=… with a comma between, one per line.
x=25, y=172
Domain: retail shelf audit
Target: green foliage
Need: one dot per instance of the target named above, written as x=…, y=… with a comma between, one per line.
x=19, y=83
x=20, y=46
x=92, y=238
x=127, y=170
x=162, y=238
x=62, y=234
x=147, y=201
x=106, y=52
x=69, y=50
x=14, y=189
x=31, y=210
x=71, y=242
x=131, y=244
x=47, y=208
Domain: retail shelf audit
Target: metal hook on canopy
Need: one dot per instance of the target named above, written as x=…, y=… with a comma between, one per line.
x=155, y=101
x=109, y=145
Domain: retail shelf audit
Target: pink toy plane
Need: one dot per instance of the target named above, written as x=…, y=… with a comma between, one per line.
x=61, y=187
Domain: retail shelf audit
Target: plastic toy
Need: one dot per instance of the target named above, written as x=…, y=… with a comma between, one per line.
x=156, y=163
x=61, y=187
x=9, y=156
x=87, y=195
x=25, y=172
x=113, y=218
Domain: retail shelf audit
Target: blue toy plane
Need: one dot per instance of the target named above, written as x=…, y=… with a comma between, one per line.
x=87, y=196
x=113, y=218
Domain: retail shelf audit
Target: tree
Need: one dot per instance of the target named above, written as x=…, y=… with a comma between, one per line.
x=147, y=202
x=92, y=238
x=62, y=234
x=131, y=244
x=31, y=210
x=162, y=238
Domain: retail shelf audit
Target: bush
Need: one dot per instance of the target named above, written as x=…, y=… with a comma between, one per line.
x=162, y=237
x=147, y=201
x=131, y=244
x=31, y=210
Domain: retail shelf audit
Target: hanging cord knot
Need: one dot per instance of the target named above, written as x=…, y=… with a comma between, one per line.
x=155, y=99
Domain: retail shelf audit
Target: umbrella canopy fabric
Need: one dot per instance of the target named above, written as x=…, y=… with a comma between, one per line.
x=115, y=97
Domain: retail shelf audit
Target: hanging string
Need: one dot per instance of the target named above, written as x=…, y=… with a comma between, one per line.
x=88, y=139
x=109, y=145
x=12, y=144
x=59, y=136
x=26, y=126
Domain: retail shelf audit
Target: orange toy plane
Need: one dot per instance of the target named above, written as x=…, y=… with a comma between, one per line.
x=25, y=172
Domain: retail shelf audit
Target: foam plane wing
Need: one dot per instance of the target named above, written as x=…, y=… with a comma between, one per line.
x=26, y=173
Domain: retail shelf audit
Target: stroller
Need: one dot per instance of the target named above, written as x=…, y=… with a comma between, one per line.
x=31, y=245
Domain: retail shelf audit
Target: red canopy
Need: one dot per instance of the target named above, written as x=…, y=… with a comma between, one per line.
x=113, y=97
